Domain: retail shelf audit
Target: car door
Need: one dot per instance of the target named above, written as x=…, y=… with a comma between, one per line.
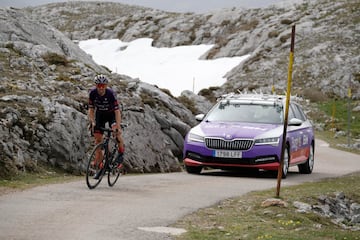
x=299, y=136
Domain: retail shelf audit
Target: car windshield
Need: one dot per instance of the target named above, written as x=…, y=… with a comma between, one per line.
x=248, y=112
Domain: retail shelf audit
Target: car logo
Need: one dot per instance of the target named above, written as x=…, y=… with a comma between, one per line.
x=228, y=136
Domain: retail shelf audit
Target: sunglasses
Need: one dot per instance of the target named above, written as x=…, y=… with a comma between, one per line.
x=101, y=85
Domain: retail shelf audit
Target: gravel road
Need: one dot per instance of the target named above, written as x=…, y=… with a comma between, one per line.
x=141, y=206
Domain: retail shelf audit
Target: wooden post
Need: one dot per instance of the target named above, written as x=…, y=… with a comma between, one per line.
x=288, y=92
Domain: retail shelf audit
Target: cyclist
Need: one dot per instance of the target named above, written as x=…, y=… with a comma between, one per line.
x=104, y=108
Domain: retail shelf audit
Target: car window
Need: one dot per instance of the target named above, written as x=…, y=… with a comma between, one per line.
x=301, y=113
x=291, y=112
x=239, y=112
x=298, y=113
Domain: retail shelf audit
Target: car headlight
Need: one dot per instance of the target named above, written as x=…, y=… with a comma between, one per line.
x=195, y=138
x=267, y=141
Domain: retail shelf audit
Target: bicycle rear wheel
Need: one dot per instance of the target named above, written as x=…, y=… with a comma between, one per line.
x=95, y=169
x=114, y=171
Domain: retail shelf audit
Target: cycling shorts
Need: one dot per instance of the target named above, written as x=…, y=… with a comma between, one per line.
x=101, y=118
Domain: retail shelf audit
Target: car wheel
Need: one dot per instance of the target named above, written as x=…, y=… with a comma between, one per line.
x=193, y=170
x=308, y=166
x=285, y=168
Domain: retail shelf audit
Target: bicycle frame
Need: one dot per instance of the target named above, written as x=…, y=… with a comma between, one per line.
x=106, y=146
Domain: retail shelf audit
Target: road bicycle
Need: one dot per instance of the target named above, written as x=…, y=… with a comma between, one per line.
x=108, y=149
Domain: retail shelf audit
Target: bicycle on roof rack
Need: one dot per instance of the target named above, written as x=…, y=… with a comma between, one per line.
x=108, y=149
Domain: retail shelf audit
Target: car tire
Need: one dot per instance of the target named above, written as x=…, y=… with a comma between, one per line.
x=285, y=168
x=193, y=170
x=307, y=167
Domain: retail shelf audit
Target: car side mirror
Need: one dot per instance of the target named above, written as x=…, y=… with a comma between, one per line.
x=200, y=117
x=295, y=122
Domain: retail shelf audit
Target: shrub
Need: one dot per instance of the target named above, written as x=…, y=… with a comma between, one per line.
x=188, y=104
x=225, y=23
x=208, y=93
x=9, y=45
x=63, y=77
x=249, y=25
x=166, y=91
x=54, y=58
x=147, y=99
x=314, y=95
x=273, y=34
x=286, y=21
x=284, y=38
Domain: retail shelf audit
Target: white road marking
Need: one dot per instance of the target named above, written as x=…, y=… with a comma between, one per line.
x=169, y=230
x=324, y=144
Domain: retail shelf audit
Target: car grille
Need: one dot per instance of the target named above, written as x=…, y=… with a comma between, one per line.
x=237, y=144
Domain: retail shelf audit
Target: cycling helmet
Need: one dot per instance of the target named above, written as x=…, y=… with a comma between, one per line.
x=101, y=79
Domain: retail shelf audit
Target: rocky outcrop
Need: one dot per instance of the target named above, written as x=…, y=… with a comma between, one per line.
x=43, y=96
x=20, y=33
x=342, y=210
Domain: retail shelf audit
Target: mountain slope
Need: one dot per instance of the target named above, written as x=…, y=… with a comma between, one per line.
x=326, y=44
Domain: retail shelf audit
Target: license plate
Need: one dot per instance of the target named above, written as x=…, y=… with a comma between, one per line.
x=228, y=154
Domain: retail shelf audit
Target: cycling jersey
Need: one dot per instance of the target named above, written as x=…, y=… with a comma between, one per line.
x=105, y=103
x=104, y=106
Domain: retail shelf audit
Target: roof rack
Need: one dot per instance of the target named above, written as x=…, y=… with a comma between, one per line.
x=255, y=96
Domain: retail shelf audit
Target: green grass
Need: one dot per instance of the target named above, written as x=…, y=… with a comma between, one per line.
x=340, y=142
x=43, y=176
x=244, y=217
x=333, y=115
x=337, y=112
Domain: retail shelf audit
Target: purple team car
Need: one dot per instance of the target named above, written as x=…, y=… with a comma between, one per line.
x=245, y=131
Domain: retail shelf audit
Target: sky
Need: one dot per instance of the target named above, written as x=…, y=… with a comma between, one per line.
x=197, y=6
x=176, y=69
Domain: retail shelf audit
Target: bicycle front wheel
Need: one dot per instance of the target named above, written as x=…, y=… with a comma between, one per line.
x=95, y=169
x=114, y=170
x=114, y=175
